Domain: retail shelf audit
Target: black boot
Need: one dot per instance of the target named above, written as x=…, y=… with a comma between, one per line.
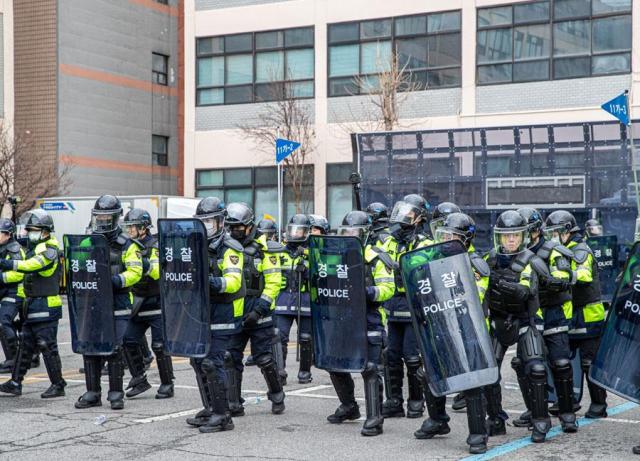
x=636, y=450
x=220, y=419
x=54, y=370
x=234, y=392
x=21, y=365
x=373, y=425
x=147, y=356
x=524, y=420
x=598, y=407
x=139, y=382
x=275, y=392
x=202, y=417
x=563, y=381
x=165, y=370
x=306, y=359
x=415, y=403
x=10, y=347
x=459, y=402
x=437, y=422
x=116, y=373
x=348, y=409
x=495, y=421
x=478, y=437
x=249, y=361
x=540, y=421
x=92, y=369
x=392, y=407
x=278, y=356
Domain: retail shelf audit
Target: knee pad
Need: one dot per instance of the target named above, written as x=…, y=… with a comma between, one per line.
x=157, y=347
x=538, y=373
x=516, y=364
x=585, y=364
x=413, y=363
x=208, y=366
x=264, y=360
x=305, y=338
x=42, y=345
x=370, y=369
x=562, y=367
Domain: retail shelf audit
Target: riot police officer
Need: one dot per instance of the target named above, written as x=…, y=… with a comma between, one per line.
x=379, y=287
x=261, y=272
x=379, y=213
x=146, y=312
x=593, y=228
x=42, y=307
x=459, y=226
x=440, y=213
x=294, y=291
x=11, y=293
x=407, y=219
x=512, y=299
x=268, y=228
x=126, y=271
x=227, y=290
x=319, y=225
x=588, y=319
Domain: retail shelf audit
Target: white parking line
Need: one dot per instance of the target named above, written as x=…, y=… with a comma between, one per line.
x=619, y=420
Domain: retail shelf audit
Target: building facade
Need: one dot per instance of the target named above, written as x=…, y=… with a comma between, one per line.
x=478, y=64
x=97, y=88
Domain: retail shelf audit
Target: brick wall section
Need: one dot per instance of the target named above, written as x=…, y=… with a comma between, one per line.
x=35, y=69
x=217, y=4
x=556, y=94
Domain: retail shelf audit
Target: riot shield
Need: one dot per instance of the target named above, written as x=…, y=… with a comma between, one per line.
x=447, y=317
x=605, y=250
x=338, y=303
x=90, y=294
x=184, y=287
x=616, y=366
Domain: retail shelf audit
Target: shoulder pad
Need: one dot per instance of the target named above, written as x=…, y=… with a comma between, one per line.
x=545, y=250
x=232, y=243
x=520, y=262
x=274, y=247
x=384, y=257
x=252, y=249
x=123, y=239
x=581, y=252
x=540, y=267
x=139, y=243
x=50, y=253
x=383, y=237
x=479, y=265
x=564, y=251
x=153, y=243
x=13, y=247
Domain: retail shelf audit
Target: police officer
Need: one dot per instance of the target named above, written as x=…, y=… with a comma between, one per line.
x=11, y=293
x=319, y=224
x=407, y=219
x=379, y=287
x=294, y=289
x=126, y=271
x=261, y=272
x=42, y=308
x=268, y=228
x=146, y=312
x=227, y=290
x=459, y=226
x=379, y=213
x=588, y=319
x=440, y=213
x=512, y=299
x=593, y=228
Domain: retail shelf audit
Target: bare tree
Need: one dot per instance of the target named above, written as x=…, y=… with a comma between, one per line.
x=25, y=173
x=286, y=117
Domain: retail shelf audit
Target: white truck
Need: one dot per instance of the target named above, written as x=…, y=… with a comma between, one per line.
x=72, y=215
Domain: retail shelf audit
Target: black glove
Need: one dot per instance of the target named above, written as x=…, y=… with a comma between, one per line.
x=371, y=294
x=116, y=281
x=262, y=307
x=558, y=285
x=145, y=265
x=215, y=283
x=513, y=290
x=301, y=268
x=6, y=264
x=251, y=319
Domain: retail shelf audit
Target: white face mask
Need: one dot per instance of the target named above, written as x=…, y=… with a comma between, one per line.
x=35, y=236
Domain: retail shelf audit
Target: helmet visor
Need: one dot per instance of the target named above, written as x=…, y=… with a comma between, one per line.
x=595, y=230
x=102, y=223
x=297, y=233
x=405, y=213
x=446, y=234
x=434, y=224
x=510, y=241
x=361, y=232
x=213, y=223
x=557, y=233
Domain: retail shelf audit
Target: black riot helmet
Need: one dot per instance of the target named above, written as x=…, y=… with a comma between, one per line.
x=559, y=226
x=356, y=224
x=211, y=211
x=379, y=213
x=139, y=218
x=37, y=219
x=267, y=226
x=456, y=226
x=510, y=233
x=105, y=214
x=319, y=222
x=7, y=226
x=440, y=213
x=240, y=218
x=419, y=202
x=298, y=229
x=593, y=228
x=533, y=218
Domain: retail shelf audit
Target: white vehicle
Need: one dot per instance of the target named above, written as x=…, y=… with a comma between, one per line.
x=72, y=215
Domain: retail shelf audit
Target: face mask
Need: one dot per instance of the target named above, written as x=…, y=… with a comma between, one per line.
x=237, y=234
x=400, y=232
x=210, y=229
x=35, y=236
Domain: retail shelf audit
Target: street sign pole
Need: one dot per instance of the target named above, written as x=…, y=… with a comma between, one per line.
x=279, y=226
x=284, y=148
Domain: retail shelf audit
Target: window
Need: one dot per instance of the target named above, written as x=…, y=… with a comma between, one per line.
x=255, y=67
x=160, y=68
x=339, y=192
x=553, y=39
x=258, y=187
x=160, y=150
x=427, y=46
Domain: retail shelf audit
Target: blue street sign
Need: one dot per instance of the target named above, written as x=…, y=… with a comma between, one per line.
x=618, y=107
x=284, y=148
